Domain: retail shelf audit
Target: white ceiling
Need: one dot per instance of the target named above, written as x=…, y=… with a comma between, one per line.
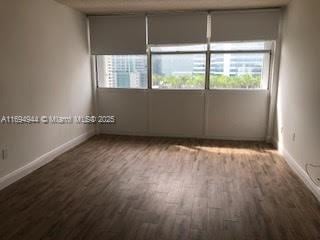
x=122, y=6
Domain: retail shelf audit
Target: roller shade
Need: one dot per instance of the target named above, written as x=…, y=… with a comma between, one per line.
x=177, y=28
x=117, y=34
x=245, y=25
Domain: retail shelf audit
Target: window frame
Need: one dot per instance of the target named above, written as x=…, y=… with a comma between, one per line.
x=206, y=50
x=184, y=52
x=208, y=54
x=119, y=88
x=262, y=51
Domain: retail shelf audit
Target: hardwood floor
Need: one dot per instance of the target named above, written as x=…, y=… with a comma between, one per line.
x=113, y=187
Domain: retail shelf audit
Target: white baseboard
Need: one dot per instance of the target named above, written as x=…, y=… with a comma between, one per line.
x=43, y=160
x=154, y=134
x=298, y=170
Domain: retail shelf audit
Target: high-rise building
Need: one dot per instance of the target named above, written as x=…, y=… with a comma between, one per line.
x=124, y=71
x=237, y=64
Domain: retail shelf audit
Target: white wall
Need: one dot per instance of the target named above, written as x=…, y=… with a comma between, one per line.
x=221, y=114
x=44, y=69
x=298, y=109
x=239, y=114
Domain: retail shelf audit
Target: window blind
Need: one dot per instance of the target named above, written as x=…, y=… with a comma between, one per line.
x=177, y=28
x=245, y=25
x=117, y=34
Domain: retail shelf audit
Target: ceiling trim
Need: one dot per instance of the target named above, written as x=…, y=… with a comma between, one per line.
x=117, y=7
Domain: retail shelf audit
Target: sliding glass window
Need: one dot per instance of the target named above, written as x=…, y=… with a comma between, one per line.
x=122, y=71
x=242, y=65
x=178, y=67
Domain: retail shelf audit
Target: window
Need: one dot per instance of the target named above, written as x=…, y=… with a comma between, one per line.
x=122, y=71
x=233, y=65
x=240, y=65
x=217, y=50
x=178, y=67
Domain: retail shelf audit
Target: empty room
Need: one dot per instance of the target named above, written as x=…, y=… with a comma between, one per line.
x=159, y=119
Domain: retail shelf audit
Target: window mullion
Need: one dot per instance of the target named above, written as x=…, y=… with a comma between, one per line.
x=207, y=69
x=149, y=65
x=208, y=54
x=149, y=61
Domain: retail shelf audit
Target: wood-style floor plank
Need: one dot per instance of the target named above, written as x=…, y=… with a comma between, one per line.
x=142, y=188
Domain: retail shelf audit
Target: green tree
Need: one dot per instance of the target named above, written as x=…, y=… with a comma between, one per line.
x=242, y=81
x=197, y=81
x=179, y=81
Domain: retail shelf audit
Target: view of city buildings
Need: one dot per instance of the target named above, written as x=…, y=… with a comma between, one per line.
x=130, y=71
x=237, y=64
x=122, y=71
x=221, y=64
